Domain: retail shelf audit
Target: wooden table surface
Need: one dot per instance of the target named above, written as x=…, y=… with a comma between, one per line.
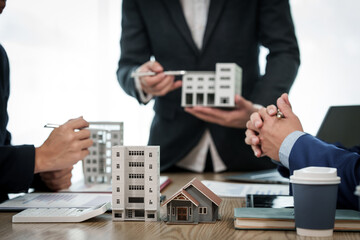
x=102, y=227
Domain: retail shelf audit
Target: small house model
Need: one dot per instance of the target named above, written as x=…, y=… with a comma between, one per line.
x=192, y=204
x=212, y=89
x=136, y=183
x=97, y=165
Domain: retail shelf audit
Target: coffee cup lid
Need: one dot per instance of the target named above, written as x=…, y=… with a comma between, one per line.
x=315, y=176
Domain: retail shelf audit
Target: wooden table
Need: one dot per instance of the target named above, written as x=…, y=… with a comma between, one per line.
x=102, y=227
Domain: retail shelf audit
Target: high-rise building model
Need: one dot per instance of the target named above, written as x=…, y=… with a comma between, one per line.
x=135, y=184
x=97, y=165
x=212, y=89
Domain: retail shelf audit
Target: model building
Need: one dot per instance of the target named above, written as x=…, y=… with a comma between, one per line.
x=135, y=184
x=192, y=204
x=97, y=165
x=212, y=89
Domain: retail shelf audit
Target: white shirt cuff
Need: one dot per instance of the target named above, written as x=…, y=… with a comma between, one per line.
x=145, y=98
x=286, y=147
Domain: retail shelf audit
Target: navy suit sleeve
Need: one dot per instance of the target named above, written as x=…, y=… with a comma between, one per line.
x=276, y=33
x=16, y=168
x=135, y=47
x=310, y=151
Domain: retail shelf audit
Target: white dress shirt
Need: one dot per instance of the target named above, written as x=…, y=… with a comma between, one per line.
x=196, y=14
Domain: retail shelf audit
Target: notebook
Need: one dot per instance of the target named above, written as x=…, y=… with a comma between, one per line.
x=341, y=125
x=283, y=219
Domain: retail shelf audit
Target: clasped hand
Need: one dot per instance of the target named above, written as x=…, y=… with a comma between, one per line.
x=265, y=132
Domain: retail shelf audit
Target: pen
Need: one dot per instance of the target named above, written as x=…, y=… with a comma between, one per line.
x=51, y=125
x=144, y=74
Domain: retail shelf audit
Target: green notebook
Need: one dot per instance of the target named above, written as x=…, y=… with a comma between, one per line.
x=283, y=219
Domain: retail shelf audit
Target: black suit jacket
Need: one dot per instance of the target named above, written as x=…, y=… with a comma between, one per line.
x=234, y=32
x=16, y=162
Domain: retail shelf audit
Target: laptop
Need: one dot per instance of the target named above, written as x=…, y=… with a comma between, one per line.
x=340, y=125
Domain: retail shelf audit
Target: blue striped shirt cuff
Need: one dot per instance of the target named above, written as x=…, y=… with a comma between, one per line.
x=286, y=147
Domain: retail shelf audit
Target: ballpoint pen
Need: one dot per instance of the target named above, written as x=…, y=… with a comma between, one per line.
x=144, y=74
x=51, y=125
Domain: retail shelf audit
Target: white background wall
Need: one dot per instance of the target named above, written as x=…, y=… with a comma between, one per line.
x=64, y=55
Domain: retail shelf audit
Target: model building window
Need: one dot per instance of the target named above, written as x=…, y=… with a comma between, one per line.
x=189, y=98
x=190, y=211
x=94, y=169
x=173, y=211
x=211, y=98
x=200, y=79
x=150, y=190
x=151, y=215
x=150, y=202
x=117, y=201
x=117, y=165
x=118, y=154
x=200, y=98
x=150, y=178
x=188, y=87
x=224, y=86
x=150, y=166
x=225, y=78
x=94, y=152
x=94, y=160
x=225, y=70
x=150, y=154
x=89, y=169
x=189, y=78
x=212, y=79
x=136, y=200
x=202, y=210
x=224, y=100
x=88, y=161
x=118, y=178
x=118, y=189
x=118, y=215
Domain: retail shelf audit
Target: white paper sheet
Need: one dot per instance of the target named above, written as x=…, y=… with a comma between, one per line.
x=56, y=200
x=224, y=189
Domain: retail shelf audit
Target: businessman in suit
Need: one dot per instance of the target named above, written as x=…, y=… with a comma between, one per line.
x=47, y=167
x=284, y=141
x=195, y=35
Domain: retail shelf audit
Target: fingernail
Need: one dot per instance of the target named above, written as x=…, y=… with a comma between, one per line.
x=256, y=153
x=257, y=124
x=271, y=111
x=281, y=100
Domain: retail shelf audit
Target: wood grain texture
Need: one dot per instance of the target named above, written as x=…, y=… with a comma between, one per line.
x=102, y=227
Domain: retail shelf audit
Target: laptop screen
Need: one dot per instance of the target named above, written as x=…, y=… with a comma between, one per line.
x=341, y=124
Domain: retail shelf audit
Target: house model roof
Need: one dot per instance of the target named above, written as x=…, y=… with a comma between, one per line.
x=201, y=188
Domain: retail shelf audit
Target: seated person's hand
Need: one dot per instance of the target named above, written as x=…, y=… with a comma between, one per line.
x=235, y=118
x=160, y=84
x=64, y=147
x=57, y=180
x=266, y=132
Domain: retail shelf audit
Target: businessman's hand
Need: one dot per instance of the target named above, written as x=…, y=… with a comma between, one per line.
x=160, y=84
x=266, y=133
x=235, y=118
x=64, y=147
x=57, y=180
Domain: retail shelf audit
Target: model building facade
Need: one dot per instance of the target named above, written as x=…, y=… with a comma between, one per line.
x=193, y=203
x=97, y=165
x=212, y=89
x=135, y=184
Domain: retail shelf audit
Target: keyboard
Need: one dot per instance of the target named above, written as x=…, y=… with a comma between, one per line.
x=42, y=215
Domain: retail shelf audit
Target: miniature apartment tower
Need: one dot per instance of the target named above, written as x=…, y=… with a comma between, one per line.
x=97, y=165
x=192, y=204
x=212, y=89
x=135, y=185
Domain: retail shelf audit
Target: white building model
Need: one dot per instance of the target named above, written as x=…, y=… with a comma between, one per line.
x=97, y=165
x=212, y=89
x=135, y=185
